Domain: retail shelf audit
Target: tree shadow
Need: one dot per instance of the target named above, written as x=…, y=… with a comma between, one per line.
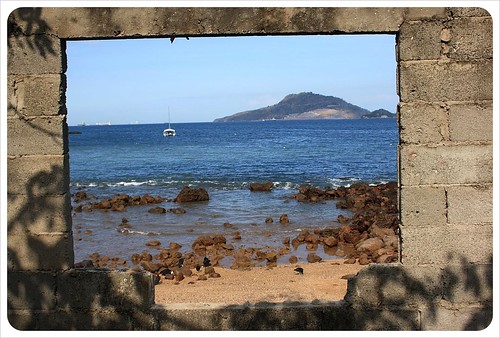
x=28, y=22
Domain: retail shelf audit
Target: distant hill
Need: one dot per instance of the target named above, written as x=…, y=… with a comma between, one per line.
x=306, y=106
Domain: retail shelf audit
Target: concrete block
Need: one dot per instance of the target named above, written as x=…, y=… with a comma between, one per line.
x=46, y=136
x=423, y=206
x=100, y=288
x=21, y=320
x=386, y=285
x=38, y=175
x=470, y=204
x=469, y=12
x=471, y=122
x=439, y=245
x=31, y=290
x=466, y=283
x=420, y=40
x=425, y=13
x=423, y=123
x=472, y=318
x=36, y=95
x=154, y=22
x=40, y=252
x=471, y=38
x=394, y=319
x=35, y=54
x=107, y=318
x=438, y=81
x=450, y=164
x=38, y=215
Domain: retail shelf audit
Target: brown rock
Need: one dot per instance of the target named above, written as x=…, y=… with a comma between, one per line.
x=370, y=245
x=351, y=260
x=157, y=210
x=202, y=277
x=179, y=276
x=312, y=238
x=313, y=258
x=284, y=219
x=363, y=259
x=261, y=186
x=188, y=194
x=177, y=211
x=311, y=246
x=214, y=275
x=269, y=220
x=293, y=259
x=330, y=241
x=175, y=246
x=286, y=240
x=150, y=266
x=153, y=243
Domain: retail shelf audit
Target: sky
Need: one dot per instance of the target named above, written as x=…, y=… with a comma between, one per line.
x=204, y=78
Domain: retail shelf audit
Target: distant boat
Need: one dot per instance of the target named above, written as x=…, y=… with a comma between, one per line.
x=82, y=124
x=169, y=131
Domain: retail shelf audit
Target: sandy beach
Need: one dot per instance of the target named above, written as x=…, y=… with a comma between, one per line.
x=320, y=282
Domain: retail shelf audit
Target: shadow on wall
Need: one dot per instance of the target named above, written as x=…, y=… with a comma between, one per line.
x=32, y=26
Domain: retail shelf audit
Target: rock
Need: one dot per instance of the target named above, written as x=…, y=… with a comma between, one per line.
x=312, y=238
x=284, y=219
x=330, y=241
x=363, y=259
x=313, y=258
x=174, y=246
x=186, y=271
x=177, y=211
x=351, y=260
x=153, y=243
x=179, y=276
x=227, y=225
x=202, y=277
x=286, y=240
x=311, y=246
x=269, y=220
x=214, y=275
x=150, y=266
x=293, y=259
x=188, y=194
x=370, y=245
x=157, y=210
x=227, y=246
x=209, y=270
x=261, y=186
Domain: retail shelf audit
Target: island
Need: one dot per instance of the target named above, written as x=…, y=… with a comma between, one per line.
x=307, y=106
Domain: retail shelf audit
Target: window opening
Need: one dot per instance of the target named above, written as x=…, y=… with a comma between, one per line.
x=317, y=143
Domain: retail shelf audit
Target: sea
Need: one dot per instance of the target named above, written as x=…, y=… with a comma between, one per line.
x=223, y=158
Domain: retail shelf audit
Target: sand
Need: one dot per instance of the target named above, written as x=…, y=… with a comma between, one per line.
x=320, y=282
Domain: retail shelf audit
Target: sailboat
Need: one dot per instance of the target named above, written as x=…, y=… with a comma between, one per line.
x=169, y=131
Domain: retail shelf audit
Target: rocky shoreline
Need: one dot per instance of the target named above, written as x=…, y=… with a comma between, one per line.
x=370, y=235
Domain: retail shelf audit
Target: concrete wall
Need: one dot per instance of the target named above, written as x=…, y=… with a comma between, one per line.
x=445, y=84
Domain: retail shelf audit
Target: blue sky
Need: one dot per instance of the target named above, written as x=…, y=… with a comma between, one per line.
x=200, y=79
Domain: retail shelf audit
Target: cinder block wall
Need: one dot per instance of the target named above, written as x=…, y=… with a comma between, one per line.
x=445, y=173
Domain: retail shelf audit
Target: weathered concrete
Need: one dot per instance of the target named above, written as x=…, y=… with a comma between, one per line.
x=445, y=83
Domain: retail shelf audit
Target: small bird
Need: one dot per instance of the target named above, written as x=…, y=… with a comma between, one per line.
x=206, y=262
x=299, y=271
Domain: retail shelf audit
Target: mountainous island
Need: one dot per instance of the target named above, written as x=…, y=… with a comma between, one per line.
x=307, y=106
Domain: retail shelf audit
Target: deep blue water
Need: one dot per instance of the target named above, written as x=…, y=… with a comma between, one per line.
x=224, y=158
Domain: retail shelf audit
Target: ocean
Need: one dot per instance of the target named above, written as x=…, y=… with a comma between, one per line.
x=223, y=158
